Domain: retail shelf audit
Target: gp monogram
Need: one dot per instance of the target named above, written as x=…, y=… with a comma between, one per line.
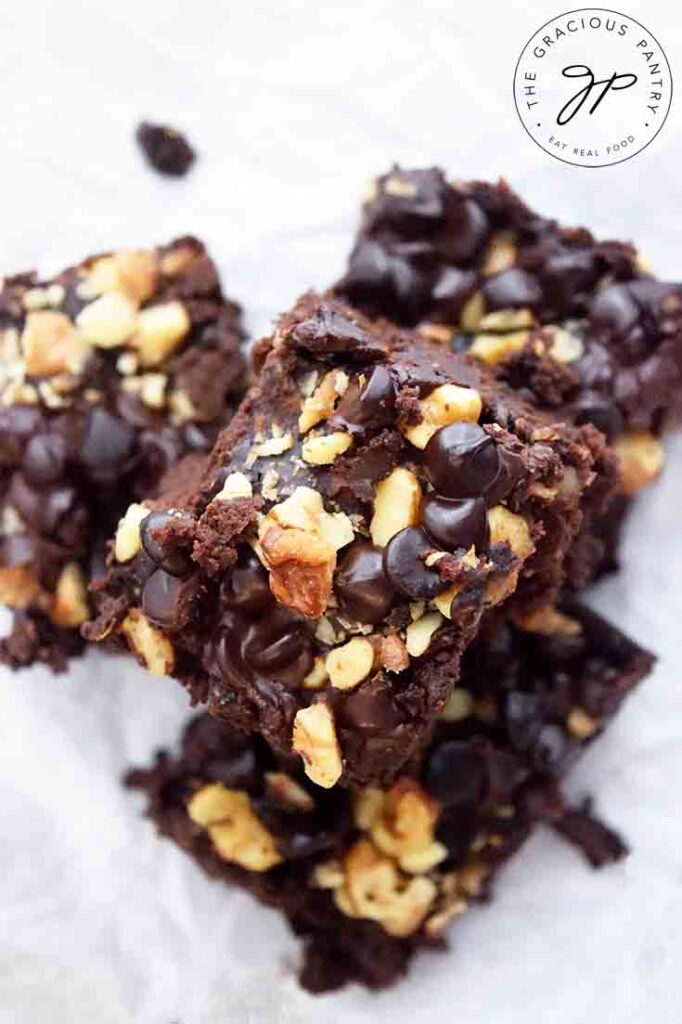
x=592, y=87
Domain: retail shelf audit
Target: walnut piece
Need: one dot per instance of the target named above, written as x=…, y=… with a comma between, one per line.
x=109, y=321
x=237, y=485
x=449, y=403
x=19, y=586
x=314, y=738
x=51, y=344
x=154, y=650
x=548, y=621
x=396, y=505
x=405, y=828
x=419, y=633
x=506, y=526
x=320, y=405
x=127, y=541
x=350, y=663
x=323, y=449
x=132, y=272
x=160, y=329
x=289, y=793
x=493, y=348
x=641, y=459
x=70, y=608
x=236, y=832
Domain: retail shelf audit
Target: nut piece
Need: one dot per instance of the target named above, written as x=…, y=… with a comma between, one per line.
x=450, y=403
x=506, y=526
x=548, y=621
x=459, y=705
x=70, y=608
x=51, y=344
x=237, y=833
x=237, y=485
x=502, y=321
x=320, y=405
x=19, y=586
x=127, y=542
x=581, y=725
x=317, y=677
x=151, y=646
x=396, y=505
x=405, y=828
x=108, y=321
x=132, y=272
x=563, y=346
x=493, y=348
x=501, y=254
x=392, y=653
x=322, y=450
x=641, y=459
x=375, y=889
x=349, y=664
x=160, y=329
x=314, y=738
x=286, y=791
x=418, y=634
x=472, y=312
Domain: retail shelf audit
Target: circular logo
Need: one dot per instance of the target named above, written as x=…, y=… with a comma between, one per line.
x=593, y=87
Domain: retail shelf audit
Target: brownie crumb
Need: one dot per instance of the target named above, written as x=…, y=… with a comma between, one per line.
x=166, y=149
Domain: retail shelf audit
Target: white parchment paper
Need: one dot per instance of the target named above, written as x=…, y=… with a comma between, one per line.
x=292, y=106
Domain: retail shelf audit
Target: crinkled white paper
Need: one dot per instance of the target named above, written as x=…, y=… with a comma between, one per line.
x=292, y=105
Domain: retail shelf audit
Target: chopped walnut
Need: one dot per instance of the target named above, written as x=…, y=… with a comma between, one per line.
x=472, y=312
x=133, y=272
x=317, y=677
x=548, y=621
x=314, y=738
x=374, y=888
x=51, y=344
x=501, y=254
x=154, y=650
x=493, y=348
x=405, y=828
x=70, y=608
x=459, y=705
x=237, y=485
x=581, y=725
x=508, y=527
x=127, y=541
x=289, y=793
x=160, y=329
x=392, y=653
x=640, y=458
x=320, y=405
x=396, y=505
x=323, y=449
x=19, y=586
x=449, y=403
x=349, y=664
x=109, y=321
x=236, y=832
x=419, y=633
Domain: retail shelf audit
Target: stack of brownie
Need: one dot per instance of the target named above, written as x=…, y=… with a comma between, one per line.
x=369, y=580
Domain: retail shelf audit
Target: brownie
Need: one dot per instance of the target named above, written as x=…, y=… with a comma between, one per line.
x=366, y=878
x=165, y=149
x=110, y=373
x=373, y=498
x=576, y=323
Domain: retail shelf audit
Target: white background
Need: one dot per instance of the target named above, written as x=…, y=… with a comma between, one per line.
x=293, y=105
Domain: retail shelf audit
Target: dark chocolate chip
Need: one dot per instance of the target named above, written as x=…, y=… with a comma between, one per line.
x=455, y=773
x=171, y=557
x=246, y=588
x=450, y=292
x=44, y=459
x=108, y=444
x=404, y=564
x=167, y=600
x=371, y=708
x=467, y=230
x=361, y=585
x=455, y=522
x=462, y=461
x=511, y=289
x=591, y=407
x=17, y=425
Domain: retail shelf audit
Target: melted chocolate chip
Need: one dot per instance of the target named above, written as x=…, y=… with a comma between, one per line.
x=371, y=708
x=246, y=588
x=512, y=288
x=369, y=408
x=462, y=461
x=361, y=584
x=591, y=407
x=455, y=523
x=404, y=564
x=467, y=230
x=168, y=556
x=167, y=600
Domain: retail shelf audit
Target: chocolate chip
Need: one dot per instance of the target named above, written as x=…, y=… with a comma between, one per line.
x=167, y=600
x=461, y=460
x=17, y=425
x=276, y=641
x=166, y=149
x=455, y=773
x=404, y=564
x=246, y=588
x=108, y=444
x=361, y=585
x=512, y=288
x=455, y=523
x=591, y=407
x=371, y=708
x=450, y=292
x=467, y=230
x=44, y=459
x=380, y=283
x=163, y=550
x=368, y=408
